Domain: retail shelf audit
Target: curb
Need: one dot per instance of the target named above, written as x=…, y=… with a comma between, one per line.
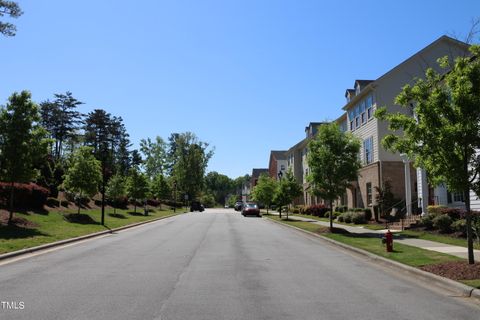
x=76, y=239
x=444, y=283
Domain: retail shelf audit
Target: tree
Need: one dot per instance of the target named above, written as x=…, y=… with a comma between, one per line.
x=137, y=186
x=100, y=135
x=61, y=119
x=264, y=191
x=444, y=135
x=23, y=141
x=333, y=162
x=116, y=190
x=287, y=190
x=13, y=10
x=154, y=155
x=189, y=162
x=160, y=188
x=219, y=185
x=83, y=175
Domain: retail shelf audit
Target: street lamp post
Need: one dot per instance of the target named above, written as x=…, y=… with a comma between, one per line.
x=280, y=175
x=408, y=184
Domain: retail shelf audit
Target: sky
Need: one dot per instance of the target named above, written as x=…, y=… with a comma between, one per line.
x=246, y=76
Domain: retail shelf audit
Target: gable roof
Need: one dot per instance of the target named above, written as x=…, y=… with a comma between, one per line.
x=278, y=155
x=257, y=172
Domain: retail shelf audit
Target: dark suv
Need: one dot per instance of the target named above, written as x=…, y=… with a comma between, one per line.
x=196, y=206
x=238, y=206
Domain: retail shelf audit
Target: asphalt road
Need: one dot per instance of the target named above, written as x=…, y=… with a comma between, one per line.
x=214, y=265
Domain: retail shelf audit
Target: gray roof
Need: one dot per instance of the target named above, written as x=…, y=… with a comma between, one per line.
x=279, y=155
x=257, y=172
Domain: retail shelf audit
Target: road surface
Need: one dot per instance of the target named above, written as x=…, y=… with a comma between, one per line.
x=214, y=265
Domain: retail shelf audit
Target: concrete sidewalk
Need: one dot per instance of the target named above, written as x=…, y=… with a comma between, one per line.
x=424, y=244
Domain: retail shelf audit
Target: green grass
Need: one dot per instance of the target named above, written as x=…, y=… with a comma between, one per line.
x=366, y=226
x=472, y=283
x=424, y=235
x=53, y=226
x=412, y=256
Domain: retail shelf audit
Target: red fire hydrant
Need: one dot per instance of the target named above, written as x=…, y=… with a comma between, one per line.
x=389, y=241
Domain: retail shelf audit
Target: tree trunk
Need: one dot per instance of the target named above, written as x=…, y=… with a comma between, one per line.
x=103, y=193
x=135, y=205
x=331, y=215
x=280, y=212
x=12, y=193
x=468, y=218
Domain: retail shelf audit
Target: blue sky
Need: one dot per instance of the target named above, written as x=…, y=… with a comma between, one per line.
x=245, y=76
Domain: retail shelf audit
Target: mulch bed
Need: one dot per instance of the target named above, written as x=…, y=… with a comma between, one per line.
x=16, y=221
x=458, y=270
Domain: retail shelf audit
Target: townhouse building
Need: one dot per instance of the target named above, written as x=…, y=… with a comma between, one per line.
x=277, y=166
x=378, y=164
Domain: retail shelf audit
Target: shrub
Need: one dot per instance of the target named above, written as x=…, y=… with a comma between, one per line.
x=64, y=203
x=442, y=223
x=52, y=202
x=347, y=217
x=342, y=209
x=318, y=210
x=340, y=218
x=368, y=214
x=454, y=213
x=358, y=209
x=435, y=210
x=98, y=202
x=26, y=195
x=358, y=217
x=153, y=202
x=296, y=210
x=427, y=221
x=460, y=226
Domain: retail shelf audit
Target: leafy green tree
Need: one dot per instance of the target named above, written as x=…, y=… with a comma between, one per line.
x=160, y=187
x=12, y=9
x=116, y=190
x=155, y=156
x=83, y=175
x=23, y=142
x=137, y=186
x=190, y=161
x=219, y=185
x=208, y=200
x=333, y=162
x=287, y=190
x=444, y=135
x=264, y=191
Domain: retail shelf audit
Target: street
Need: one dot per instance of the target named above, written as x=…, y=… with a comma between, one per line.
x=214, y=265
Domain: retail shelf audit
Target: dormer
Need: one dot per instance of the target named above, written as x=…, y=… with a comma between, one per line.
x=349, y=94
x=360, y=85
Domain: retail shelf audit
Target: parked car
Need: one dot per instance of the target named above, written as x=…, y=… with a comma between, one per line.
x=196, y=206
x=238, y=206
x=251, y=208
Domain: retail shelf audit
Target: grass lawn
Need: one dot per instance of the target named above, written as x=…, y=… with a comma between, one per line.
x=408, y=255
x=52, y=226
x=366, y=226
x=438, y=238
x=472, y=283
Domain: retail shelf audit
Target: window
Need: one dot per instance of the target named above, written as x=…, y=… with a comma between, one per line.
x=368, y=150
x=357, y=122
x=369, y=193
x=282, y=167
x=364, y=118
x=369, y=113
x=457, y=197
x=351, y=126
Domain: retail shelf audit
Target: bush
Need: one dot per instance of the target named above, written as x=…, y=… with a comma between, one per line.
x=52, y=202
x=71, y=197
x=64, y=203
x=427, y=221
x=318, y=210
x=347, y=217
x=368, y=214
x=358, y=209
x=460, y=226
x=153, y=202
x=26, y=195
x=435, y=210
x=443, y=223
x=340, y=218
x=98, y=202
x=358, y=217
x=342, y=209
x=296, y=210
